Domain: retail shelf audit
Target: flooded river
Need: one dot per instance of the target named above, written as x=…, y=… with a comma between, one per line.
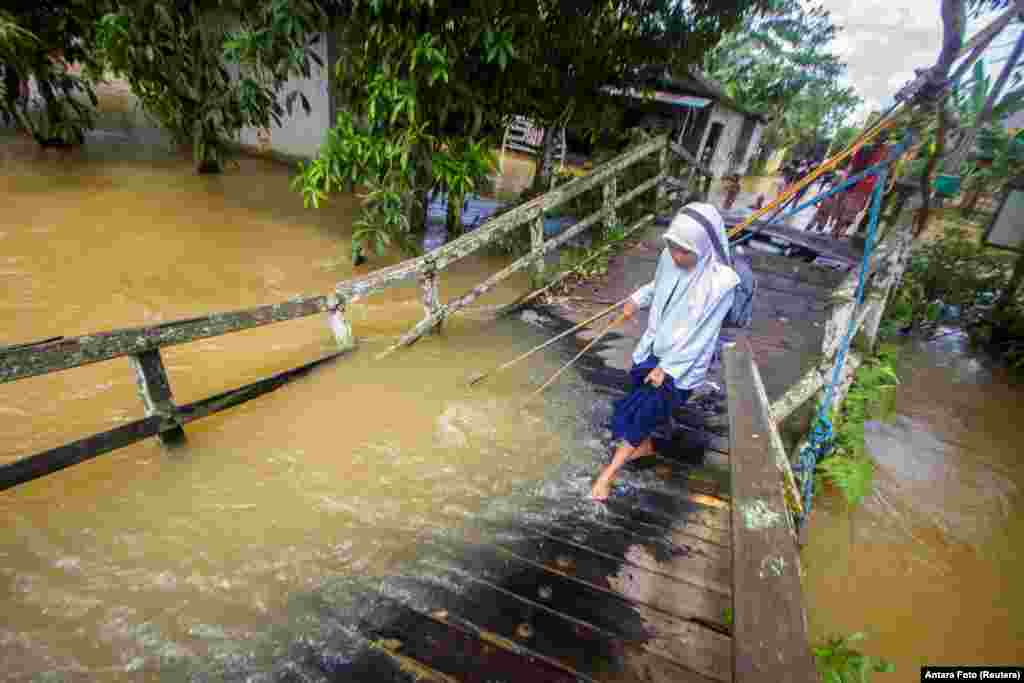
x=931, y=564
x=217, y=559
x=139, y=561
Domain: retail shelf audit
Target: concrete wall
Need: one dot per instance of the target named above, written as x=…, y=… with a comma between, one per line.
x=300, y=134
x=723, y=160
x=753, y=147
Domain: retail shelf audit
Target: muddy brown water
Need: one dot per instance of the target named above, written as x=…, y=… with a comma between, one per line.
x=930, y=565
x=117, y=568
x=123, y=568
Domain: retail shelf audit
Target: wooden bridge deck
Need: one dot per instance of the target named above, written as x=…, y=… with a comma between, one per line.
x=688, y=573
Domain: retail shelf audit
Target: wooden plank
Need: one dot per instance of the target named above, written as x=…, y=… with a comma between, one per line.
x=457, y=653
x=676, y=555
x=472, y=295
x=71, y=352
x=691, y=524
x=682, y=642
x=55, y=459
x=625, y=577
x=507, y=621
x=674, y=509
x=155, y=392
x=678, y=472
x=769, y=623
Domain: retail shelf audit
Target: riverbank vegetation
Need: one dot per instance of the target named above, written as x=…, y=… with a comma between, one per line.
x=838, y=661
x=954, y=280
x=431, y=85
x=848, y=467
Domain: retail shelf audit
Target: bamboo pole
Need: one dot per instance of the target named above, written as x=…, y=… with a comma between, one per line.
x=586, y=348
x=480, y=377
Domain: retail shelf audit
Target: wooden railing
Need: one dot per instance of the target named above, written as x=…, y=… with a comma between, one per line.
x=884, y=270
x=769, y=631
x=769, y=622
x=164, y=419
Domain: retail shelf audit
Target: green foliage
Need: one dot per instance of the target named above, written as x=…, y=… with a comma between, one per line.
x=956, y=270
x=432, y=83
x=848, y=467
x=39, y=40
x=781, y=64
x=839, y=662
x=207, y=69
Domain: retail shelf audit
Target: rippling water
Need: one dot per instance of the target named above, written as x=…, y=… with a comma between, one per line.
x=930, y=565
x=140, y=561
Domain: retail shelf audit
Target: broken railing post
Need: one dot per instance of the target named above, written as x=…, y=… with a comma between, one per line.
x=155, y=392
x=339, y=324
x=428, y=292
x=537, y=245
x=609, y=203
x=663, y=172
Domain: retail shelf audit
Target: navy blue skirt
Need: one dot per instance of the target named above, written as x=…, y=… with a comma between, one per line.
x=646, y=407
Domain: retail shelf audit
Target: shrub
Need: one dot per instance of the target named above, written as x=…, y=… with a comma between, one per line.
x=839, y=662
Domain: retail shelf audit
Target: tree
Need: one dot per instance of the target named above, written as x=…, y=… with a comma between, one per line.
x=206, y=69
x=430, y=83
x=40, y=39
x=780, y=64
x=815, y=114
x=997, y=155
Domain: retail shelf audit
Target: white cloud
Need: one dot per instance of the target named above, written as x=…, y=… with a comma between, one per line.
x=883, y=42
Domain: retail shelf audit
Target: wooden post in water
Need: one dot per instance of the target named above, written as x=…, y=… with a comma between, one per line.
x=610, y=218
x=155, y=392
x=339, y=324
x=429, y=296
x=537, y=245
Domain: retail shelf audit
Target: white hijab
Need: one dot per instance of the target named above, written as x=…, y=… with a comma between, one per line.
x=704, y=284
x=687, y=306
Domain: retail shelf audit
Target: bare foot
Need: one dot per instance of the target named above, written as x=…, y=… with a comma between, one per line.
x=600, y=491
x=637, y=454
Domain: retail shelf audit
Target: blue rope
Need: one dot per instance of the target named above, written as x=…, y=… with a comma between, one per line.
x=821, y=438
x=896, y=152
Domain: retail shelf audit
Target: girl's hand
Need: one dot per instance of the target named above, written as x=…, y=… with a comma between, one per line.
x=655, y=377
x=629, y=310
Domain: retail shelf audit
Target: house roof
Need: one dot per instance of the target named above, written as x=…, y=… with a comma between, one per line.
x=696, y=82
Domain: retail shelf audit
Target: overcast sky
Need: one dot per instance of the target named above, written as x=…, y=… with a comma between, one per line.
x=883, y=41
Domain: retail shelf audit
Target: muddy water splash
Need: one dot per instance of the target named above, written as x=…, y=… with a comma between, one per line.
x=930, y=565
x=117, y=568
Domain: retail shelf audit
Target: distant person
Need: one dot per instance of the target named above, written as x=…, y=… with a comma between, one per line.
x=853, y=200
x=690, y=295
x=731, y=185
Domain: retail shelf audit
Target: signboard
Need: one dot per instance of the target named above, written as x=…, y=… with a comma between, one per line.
x=1006, y=230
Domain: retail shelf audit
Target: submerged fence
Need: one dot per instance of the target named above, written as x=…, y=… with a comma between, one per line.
x=165, y=419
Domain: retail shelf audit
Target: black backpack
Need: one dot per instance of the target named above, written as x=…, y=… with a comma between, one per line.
x=743, y=304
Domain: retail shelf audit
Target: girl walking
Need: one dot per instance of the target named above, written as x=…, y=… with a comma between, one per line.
x=690, y=295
